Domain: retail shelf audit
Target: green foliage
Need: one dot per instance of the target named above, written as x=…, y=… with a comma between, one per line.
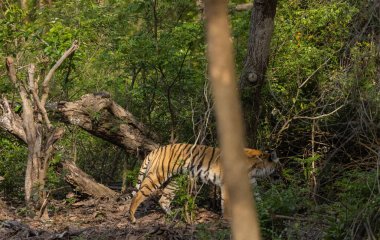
x=26, y=212
x=307, y=164
x=130, y=176
x=101, y=159
x=279, y=199
x=353, y=211
x=184, y=199
x=358, y=206
x=207, y=231
x=12, y=167
x=70, y=200
x=305, y=38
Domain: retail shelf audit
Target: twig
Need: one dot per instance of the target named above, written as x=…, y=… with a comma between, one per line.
x=45, y=84
x=320, y=116
x=316, y=70
x=278, y=216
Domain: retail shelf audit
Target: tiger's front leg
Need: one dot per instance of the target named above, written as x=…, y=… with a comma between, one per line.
x=254, y=189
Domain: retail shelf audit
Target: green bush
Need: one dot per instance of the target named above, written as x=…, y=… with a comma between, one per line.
x=12, y=167
x=357, y=209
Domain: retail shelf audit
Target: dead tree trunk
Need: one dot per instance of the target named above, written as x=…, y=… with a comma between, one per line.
x=240, y=204
x=85, y=183
x=253, y=76
x=102, y=117
x=33, y=126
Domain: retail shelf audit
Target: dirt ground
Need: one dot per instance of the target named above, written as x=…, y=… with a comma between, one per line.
x=106, y=219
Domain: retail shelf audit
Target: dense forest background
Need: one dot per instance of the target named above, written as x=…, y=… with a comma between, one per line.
x=320, y=102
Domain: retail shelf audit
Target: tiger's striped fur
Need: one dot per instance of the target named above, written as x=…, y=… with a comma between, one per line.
x=198, y=161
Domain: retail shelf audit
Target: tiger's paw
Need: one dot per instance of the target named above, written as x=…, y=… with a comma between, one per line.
x=132, y=219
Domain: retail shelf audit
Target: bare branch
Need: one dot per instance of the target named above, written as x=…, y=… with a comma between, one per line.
x=45, y=84
x=316, y=70
x=243, y=7
x=286, y=125
x=27, y=113
x=11, y=122
x=320, y=116
x=33, y=89
x=11, y=70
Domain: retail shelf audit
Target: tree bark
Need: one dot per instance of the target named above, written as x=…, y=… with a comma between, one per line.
x=253, y=75
x=239, y=202
x=85, y=183
x=102, y=117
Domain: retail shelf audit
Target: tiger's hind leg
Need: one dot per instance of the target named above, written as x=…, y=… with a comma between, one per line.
x=168, y=194
x=148, y=186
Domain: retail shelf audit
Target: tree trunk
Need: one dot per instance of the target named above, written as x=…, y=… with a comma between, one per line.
x=240, y=203
x=33, y=127
x=253, y=75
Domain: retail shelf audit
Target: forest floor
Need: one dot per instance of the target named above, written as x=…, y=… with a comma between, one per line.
x=106, y=219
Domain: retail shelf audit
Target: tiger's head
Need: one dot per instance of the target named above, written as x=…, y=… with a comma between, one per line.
x=261, y=163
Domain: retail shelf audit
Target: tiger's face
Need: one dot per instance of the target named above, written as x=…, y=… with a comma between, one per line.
x=260, y=163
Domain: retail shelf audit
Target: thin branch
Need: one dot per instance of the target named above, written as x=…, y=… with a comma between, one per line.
x=301, y=219
x=316, y=70
x=289, y=120
x=320, y=116
x=45, y=84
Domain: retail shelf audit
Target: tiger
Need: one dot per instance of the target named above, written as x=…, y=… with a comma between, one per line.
x=198, y=161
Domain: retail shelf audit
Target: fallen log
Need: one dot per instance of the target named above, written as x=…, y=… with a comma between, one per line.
x=84, y=183
x=99, y=115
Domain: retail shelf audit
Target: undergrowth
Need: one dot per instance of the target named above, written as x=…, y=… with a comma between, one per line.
x=351, y=211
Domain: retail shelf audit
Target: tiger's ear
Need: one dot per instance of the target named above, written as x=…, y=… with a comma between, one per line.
x=252, y=152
